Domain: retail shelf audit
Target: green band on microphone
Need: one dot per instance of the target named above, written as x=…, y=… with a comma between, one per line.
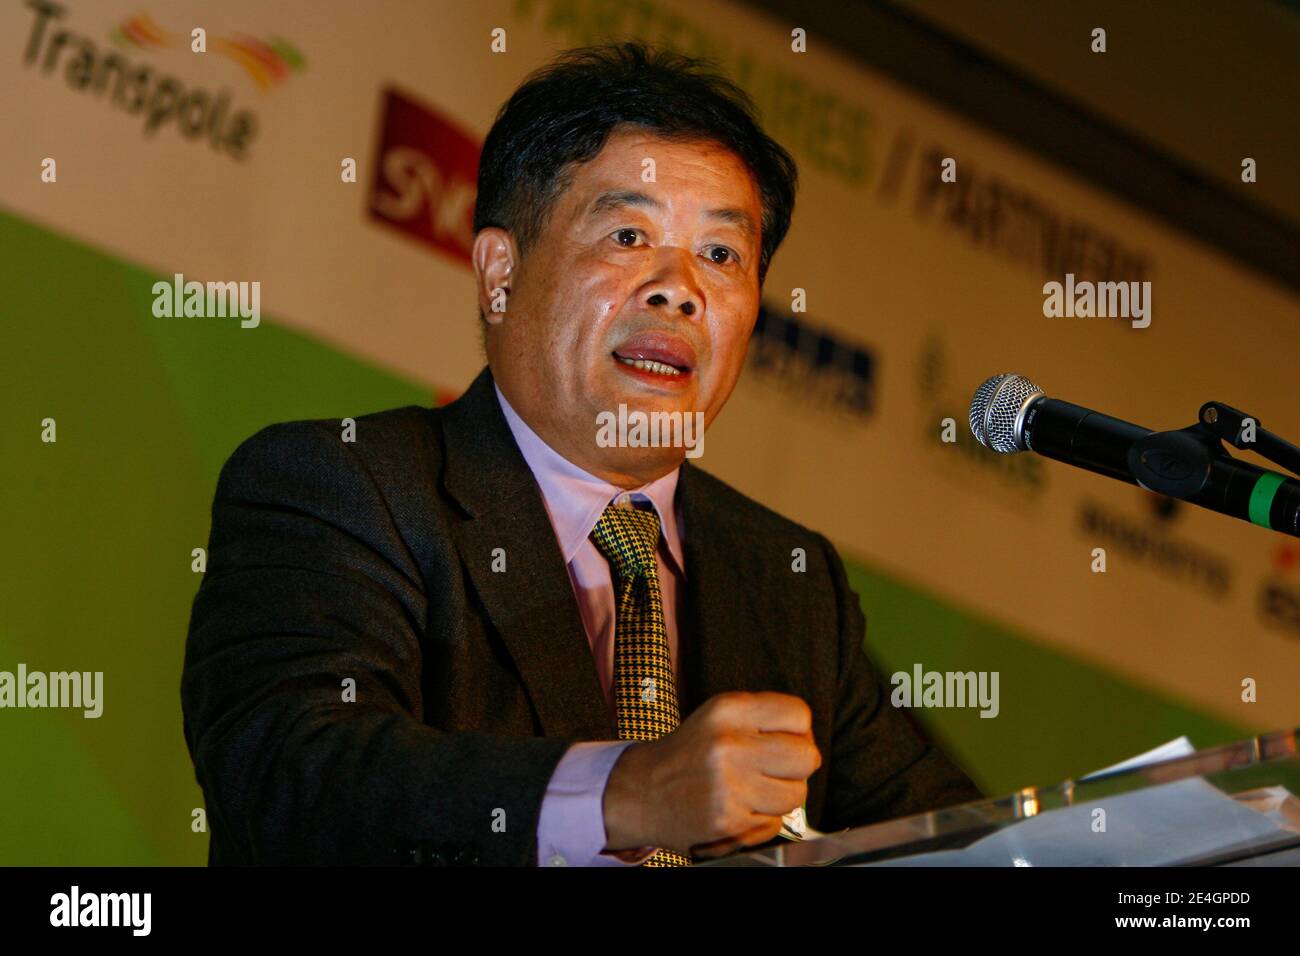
x=1261, y=497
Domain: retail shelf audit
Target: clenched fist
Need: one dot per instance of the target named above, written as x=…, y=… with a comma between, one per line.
x=720, y=782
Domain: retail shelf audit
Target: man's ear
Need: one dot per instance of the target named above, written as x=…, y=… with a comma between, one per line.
x=495, y=259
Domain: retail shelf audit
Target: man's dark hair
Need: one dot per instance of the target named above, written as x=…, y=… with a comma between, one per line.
x=563, y=113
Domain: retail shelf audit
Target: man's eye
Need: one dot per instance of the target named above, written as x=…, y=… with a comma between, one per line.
x=728, y=255
x=622, y=233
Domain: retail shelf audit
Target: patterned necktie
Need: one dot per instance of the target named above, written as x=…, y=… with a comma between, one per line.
x=645, y=694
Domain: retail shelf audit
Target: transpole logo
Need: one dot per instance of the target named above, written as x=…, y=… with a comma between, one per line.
x=140, y=90
x=426, y=176
x=268, y=63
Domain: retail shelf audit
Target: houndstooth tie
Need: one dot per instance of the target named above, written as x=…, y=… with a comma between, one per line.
x=645, y=694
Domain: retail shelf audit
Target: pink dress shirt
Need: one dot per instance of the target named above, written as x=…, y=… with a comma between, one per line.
x=571, y=827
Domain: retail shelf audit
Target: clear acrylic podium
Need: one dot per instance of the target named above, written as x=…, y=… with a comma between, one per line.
x=1230, y=805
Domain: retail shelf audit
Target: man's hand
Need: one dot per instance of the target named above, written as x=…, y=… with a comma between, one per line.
x=721, y=781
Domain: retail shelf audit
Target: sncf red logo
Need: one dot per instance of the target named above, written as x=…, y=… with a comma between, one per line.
x=1279, y=594
x=1286, y=558
x=426, y=169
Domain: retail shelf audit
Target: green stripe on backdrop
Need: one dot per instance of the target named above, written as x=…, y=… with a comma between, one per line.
x=100, y=526
x=57, y=805
x=1058, y=717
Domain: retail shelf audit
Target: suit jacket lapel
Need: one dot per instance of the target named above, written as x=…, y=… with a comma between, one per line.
x=727, y=641
x=531, y=604
x=714, y=618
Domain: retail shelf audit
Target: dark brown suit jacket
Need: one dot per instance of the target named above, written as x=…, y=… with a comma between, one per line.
x=371, y=561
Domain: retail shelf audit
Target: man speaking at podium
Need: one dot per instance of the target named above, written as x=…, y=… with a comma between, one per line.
x=488, y=633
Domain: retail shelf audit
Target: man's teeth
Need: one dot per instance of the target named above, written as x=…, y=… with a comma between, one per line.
x=659, y=368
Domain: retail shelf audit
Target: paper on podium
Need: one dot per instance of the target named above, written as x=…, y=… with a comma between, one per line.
x=1156, y=826
x=794, y=826
x=1182, y=747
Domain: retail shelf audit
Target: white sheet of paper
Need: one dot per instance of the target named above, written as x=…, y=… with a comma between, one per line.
x=1157, y=826
x=794, y=826
x=1182, y=747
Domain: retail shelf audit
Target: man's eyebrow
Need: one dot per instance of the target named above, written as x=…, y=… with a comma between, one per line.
x=737, y=217
x=621, y=198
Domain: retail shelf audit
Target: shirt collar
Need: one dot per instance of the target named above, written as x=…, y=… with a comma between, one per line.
x=575, y=499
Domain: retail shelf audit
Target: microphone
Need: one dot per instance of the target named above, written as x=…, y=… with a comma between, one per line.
x=1010, y=414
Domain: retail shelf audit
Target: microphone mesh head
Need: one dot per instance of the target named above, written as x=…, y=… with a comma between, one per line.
x=995, y=408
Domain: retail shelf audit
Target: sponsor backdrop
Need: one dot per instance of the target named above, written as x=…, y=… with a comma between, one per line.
x=228, y=166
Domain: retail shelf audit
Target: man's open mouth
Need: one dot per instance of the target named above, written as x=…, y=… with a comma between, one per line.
x=651, y=365
x=656, y=355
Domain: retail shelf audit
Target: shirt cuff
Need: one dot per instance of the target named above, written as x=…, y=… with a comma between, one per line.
x=571, y=826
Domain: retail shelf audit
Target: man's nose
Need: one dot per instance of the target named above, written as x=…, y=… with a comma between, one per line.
x=674, y=287
x=685, y=303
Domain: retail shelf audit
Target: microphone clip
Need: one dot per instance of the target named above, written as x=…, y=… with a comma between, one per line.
x=1179, y=463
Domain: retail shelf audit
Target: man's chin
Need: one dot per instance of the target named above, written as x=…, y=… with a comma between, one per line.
x=647, y=397
x=643, y=464
x=628, y=406
x=647, y=436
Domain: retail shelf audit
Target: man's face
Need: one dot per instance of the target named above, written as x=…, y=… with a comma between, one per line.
x=663, y=274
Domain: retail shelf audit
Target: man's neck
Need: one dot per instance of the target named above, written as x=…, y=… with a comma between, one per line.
x=596, y=465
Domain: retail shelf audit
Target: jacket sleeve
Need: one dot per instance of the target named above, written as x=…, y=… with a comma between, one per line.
x=301, y=689
x=880, y=765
